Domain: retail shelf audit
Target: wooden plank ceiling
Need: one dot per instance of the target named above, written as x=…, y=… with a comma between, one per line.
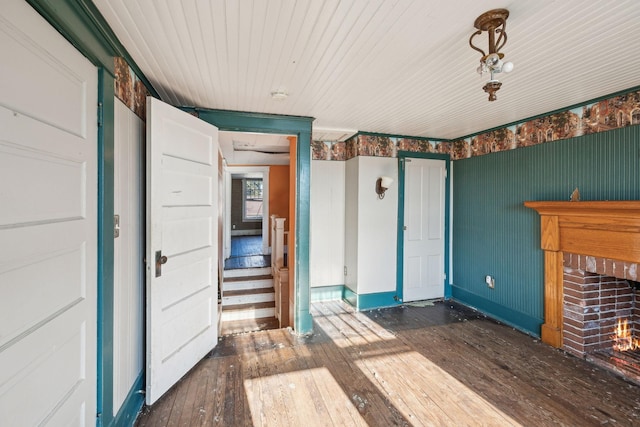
x=398, y=67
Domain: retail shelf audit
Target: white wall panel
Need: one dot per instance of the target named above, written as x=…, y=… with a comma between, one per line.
x=128, y=316
x=326, y=252
x=377, y=226
x=351, y=224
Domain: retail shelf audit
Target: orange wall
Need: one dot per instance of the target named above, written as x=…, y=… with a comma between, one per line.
x=279, y=192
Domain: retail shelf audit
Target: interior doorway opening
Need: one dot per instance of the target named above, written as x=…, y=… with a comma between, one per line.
x=257, y=190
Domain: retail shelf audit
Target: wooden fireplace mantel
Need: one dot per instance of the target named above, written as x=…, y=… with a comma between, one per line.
x=607, y=229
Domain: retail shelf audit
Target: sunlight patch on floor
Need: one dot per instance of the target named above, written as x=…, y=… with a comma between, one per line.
x=293, y=396
x=343, y=333
x=427, y=395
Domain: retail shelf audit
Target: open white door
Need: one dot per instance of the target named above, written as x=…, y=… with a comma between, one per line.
x=182, y=240
x=48, y=224
x=424, y=190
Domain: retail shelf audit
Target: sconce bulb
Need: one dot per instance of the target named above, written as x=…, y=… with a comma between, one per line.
x=507, y=67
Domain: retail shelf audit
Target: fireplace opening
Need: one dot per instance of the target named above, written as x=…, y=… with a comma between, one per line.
x=623, y=357
x=602, y=315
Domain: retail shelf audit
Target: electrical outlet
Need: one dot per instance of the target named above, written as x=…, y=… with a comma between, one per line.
x=490, y=281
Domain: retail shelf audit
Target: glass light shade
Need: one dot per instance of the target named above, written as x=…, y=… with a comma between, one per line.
x=507, y=67
x=386, y=181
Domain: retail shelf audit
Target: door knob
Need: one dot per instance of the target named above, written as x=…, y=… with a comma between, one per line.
x=160, y=259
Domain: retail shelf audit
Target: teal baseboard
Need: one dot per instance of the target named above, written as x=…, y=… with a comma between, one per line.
x=370, y=301
x=350, y=297
x=327, y=293
x=132, y=404
x=521, y=321
x=377, y=300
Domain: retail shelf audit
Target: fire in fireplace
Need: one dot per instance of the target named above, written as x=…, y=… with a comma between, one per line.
x=623, y=339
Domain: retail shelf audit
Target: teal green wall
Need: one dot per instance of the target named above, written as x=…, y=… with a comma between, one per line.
x=494, y=234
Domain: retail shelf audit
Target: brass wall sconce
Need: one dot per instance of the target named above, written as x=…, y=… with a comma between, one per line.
x=494, y=22
x=382, y=185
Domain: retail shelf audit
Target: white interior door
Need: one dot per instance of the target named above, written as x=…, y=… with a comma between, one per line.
x=423, y=266
x=48, y=224
x=182, y=220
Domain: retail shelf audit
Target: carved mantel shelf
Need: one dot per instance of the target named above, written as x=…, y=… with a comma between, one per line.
x=607, y=229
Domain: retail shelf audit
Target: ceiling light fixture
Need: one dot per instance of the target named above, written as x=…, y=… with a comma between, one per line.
x=279, y=95
x=494, y=22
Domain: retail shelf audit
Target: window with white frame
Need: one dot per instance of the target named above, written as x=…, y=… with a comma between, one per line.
x=252, y=199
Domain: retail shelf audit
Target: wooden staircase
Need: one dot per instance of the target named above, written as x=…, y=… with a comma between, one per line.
x=248, y=301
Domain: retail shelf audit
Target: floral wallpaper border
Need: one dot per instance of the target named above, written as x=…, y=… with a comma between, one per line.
x=607, y=114
x=130, y=89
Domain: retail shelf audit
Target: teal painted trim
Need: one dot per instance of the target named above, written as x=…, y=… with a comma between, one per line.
x=301, y=128
x=327, y=293
x=105, y=279
x=389, y=135
x=400, y=229
x=82, y=24
x=132, y=404
x=241, y=121
x=521, y=321
x=377, y=300
x=350, y=297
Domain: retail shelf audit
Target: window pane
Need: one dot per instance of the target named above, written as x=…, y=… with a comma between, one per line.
x=253, y=198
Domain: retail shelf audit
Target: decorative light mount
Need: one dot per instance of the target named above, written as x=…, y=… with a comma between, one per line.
x=382, y=185
x=494, y=22
x=279, y=95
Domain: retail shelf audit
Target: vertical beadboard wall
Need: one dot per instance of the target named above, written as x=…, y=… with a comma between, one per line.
x=494, y=234
x=129, y=273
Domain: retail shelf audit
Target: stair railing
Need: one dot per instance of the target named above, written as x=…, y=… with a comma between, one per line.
x=279, y=269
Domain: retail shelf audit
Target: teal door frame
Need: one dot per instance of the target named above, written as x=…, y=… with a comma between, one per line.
x=238, y=121
x=402, y=156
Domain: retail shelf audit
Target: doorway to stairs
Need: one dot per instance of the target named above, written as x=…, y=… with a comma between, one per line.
x=257, y=187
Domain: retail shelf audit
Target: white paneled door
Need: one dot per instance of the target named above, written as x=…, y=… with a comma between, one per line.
x=424, y=191
x=48, y=225
x=182, y=239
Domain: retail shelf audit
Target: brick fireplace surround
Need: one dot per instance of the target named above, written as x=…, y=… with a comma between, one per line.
x=591, y=250
x=596, y=294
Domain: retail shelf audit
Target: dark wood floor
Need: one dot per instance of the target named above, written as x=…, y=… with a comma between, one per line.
x=246, y=252
x=440, y=366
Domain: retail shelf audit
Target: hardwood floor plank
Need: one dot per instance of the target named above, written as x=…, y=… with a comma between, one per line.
x=338, y=407
x=218, y=395
x=208, y=413
x=443, y=365
x=372, y=405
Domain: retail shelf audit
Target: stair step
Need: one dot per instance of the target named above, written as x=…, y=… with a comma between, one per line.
x=248, y=296
x=241, y=292
x=244, y=272
x=232, y=327
x=256, y=282
x=248, y=278
x=248, y=311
